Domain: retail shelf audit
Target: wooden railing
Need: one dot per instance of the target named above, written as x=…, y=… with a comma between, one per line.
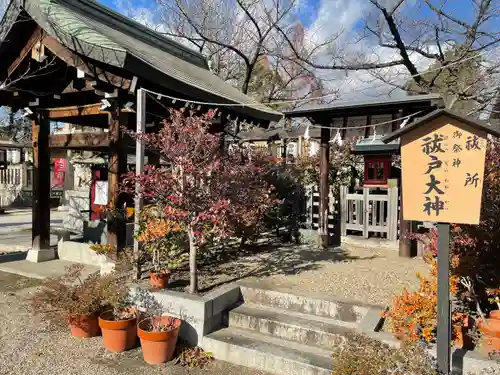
x=367, y=211
x=370, y=211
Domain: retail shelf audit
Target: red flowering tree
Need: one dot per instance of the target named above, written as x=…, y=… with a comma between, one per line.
x=207, y=191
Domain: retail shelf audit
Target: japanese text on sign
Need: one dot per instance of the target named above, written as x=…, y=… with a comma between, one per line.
x=443, y=167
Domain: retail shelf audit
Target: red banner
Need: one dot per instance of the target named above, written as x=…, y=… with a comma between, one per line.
x=59, y=171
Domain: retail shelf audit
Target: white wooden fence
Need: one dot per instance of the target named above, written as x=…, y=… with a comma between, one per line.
x=370, y=211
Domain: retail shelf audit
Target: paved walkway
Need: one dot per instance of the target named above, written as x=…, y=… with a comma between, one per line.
x=43, y=270
x=17, y=220
x=15, y=229
x=19, y=241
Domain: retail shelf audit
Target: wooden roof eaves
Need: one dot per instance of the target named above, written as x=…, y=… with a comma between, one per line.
x=362, y=108
x=477, y=124
x=78, y=62
x=152, y=74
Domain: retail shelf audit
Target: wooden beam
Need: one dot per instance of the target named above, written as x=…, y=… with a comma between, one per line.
x=73, y=59
x=36, y=37
x=84, y=110
x=75, y=111
x=79, y=140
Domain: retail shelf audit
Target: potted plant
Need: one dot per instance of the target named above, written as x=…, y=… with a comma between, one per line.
x=119, y=321
x=158, y=337
x=71, y=299
x=163, y=239
x=158, y=333
x=490, y=327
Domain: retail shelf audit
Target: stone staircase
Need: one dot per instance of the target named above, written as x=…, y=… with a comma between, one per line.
x=284, y=333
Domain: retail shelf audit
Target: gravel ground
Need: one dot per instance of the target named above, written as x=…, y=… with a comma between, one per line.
x=28, y=346
x=359, y=274
x=362, y=274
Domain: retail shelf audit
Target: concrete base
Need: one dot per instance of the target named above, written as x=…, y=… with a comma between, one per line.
x=201, y=315
x=79, y=253
x=40, y=255
x=53, y=268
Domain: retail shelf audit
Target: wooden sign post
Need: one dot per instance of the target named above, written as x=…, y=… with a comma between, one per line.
x=442, y=161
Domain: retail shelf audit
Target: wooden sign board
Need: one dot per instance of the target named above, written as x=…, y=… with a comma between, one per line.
x=442, y=171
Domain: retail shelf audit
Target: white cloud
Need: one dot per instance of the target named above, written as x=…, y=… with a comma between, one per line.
x=342, y=20
x=338, y=19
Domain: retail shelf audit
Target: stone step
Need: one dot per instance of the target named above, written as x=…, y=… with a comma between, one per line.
x=307, y=329
x=320, y=305
x=267, y=353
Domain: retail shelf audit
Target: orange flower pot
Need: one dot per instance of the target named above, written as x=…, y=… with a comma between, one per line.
x=490, y=340
x=490, y=327
x=118, y=335
x=84, y=326
x=159, y=280
x=158, y=347
x=495, y=314
x=489, y=344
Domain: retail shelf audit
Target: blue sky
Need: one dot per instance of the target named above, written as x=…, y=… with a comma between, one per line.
x=345, y=19
x=307, y=16
x=310, y=8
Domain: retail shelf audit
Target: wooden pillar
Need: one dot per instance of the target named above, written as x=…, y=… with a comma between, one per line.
x=324, y=187
x=395, y=124
x=117, y=165
x=41, y=250
x=283, y=150
x=153, y=158
x=404, y=225
x=344, y=127
x=368, y=122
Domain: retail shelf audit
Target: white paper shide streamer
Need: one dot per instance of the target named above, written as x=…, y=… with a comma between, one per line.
x=306, y=133
x=337, y=138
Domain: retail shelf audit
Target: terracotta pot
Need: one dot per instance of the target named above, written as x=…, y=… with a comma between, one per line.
x=490, y=327
x=84, y=326
x=158, y=347
x=495, y=314
x=490, y=340
x=489, y=344
x=159, y=279
x=118, y=335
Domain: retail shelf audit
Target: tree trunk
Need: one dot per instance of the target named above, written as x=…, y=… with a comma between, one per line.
x=193, y=270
